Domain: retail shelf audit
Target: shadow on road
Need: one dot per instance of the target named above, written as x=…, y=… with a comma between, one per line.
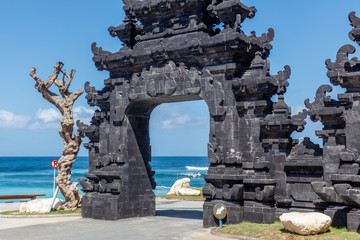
x=191, y=214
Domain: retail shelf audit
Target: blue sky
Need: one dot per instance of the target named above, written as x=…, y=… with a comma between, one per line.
x=39, y=33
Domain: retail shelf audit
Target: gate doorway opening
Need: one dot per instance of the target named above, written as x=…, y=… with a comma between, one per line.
x=179, y=135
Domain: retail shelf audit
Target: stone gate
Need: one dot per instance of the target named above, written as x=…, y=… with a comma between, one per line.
x=173, y=52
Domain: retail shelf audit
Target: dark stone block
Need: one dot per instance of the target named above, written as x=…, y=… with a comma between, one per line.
x=338, y=215
x=259, y=213
x=353, y=220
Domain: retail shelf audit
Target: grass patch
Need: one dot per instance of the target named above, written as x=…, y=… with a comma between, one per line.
x=78, y=210
x=277, y=231
x=174, y=196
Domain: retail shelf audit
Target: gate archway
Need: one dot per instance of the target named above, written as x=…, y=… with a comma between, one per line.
x=175, y=54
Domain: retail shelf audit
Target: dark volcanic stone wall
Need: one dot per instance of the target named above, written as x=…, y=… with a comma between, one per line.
x=339, y=190
x=172, y=52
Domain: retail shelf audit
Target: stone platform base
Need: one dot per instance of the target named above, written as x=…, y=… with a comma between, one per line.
x=110, y=207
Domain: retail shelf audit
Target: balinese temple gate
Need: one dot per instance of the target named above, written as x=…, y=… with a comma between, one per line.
x=173, y=52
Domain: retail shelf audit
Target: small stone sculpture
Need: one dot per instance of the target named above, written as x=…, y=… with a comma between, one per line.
x=182, y=188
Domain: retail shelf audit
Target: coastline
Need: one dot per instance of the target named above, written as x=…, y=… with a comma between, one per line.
x=34, y=175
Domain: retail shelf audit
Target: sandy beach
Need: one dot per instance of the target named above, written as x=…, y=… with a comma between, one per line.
x=175, y=219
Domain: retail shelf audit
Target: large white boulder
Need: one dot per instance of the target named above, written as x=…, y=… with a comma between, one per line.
x=182, y=188
x=305, y=223
x=40, y=205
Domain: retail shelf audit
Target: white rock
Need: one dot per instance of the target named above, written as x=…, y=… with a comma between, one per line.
x=181, y=183
x=40, y=205
x=305, y=223
x=187, y=192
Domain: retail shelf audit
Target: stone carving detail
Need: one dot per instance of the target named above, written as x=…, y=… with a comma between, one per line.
x=172, y=52
x=354, y=34
x=234, y=193
x=164, y=81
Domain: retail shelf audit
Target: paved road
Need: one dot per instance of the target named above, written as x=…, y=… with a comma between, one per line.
x=174, y=220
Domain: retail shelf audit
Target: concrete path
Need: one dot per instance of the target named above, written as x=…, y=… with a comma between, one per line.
x=174, y=220
x=9, y=206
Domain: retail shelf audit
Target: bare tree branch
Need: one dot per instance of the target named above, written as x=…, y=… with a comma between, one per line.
x=34, y=76
x=51, y=79
x=70, y=78
x=76, y=95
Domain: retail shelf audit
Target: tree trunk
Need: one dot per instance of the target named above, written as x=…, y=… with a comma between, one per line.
x=71, y=143
x=63, y=180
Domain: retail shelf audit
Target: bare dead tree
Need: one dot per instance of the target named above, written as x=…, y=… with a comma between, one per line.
x=71, y=141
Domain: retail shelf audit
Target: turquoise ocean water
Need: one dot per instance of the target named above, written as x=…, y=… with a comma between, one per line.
x=34, y=175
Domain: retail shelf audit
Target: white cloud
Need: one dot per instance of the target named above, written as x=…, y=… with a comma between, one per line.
x=81, y=109
x=49, y=118
x=48, y=115
x=11, y=120
x=166, y=124
x=169, y=116
x=83, y=114
x=295, y=110
x=182, y=120
x=176, y=121
x=44, y=118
